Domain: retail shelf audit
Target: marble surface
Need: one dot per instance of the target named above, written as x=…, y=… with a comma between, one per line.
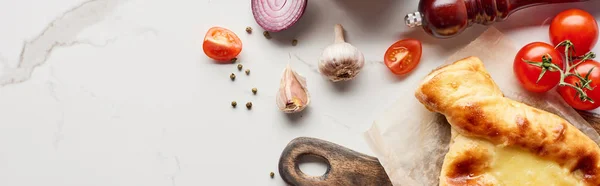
x=119, y=92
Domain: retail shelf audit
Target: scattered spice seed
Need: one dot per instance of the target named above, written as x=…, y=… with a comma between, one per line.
x=267, y=35
x=233, y=104
x=254, y=90
x=247, y=71
x=272, y=174
x=294, y=42
x=240, y=67
x=249, y=30
x=232, y=76
x=249, y=105
x=234, y=60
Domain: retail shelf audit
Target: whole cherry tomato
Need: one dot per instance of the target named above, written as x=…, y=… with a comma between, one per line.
x=528, y=74
x=403, y=56
x=571, y=96
x=575, y=25
x=221, y=44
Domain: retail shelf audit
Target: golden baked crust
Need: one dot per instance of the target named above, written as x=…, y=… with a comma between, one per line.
x=476, y=108
x=466, y=162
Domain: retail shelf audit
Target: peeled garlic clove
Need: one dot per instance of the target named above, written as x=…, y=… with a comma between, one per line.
x=293, y=95
x=341, y=62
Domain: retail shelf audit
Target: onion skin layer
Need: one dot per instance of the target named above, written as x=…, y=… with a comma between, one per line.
x=278, y=15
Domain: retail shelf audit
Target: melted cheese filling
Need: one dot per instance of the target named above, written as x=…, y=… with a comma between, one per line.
x=513, y=166
x=508, y=166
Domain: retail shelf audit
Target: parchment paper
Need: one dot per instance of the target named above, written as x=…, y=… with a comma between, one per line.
x=411, y=142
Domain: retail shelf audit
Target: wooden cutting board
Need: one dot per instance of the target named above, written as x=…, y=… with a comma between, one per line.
x=346, y=167
x=592, y=118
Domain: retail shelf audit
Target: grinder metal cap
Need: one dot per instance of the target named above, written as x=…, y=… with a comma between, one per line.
x=414, y=19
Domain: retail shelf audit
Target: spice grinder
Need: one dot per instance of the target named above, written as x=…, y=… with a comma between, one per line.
x=447, y=18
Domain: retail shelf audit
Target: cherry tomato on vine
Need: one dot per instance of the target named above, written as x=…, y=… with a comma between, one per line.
x=403, y=56
x=575, y=25
x=571, y=96
x=528, y=74
x=221, y=44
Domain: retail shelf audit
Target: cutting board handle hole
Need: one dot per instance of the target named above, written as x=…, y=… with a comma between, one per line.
x=313, y=165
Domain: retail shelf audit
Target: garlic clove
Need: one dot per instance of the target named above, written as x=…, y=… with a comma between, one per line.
x=341, y=61
x=292, y=96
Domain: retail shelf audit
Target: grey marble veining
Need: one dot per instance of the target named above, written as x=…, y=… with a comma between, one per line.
x=119, y=92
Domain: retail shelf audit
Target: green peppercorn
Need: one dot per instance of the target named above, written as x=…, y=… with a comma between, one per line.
x=233, y=60
x=254, y=90
x=249, y=105
x=272, y=174
x=232, y=76
x=240, y=66
x=247, y=71
x=294, y=42
x=233, y=104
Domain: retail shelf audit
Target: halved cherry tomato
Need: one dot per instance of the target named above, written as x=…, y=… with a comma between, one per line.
x=403, y=56
x=571, y=96
x=221, y=44
x=528, y=74
x=575, y=25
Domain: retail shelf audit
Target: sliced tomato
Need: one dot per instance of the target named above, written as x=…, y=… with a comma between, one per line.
x=221, y=44
x=403, y=56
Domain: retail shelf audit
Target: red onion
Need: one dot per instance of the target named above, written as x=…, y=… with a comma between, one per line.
x=277, y=15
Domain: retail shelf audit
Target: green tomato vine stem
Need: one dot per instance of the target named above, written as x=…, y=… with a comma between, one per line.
x=565, y=72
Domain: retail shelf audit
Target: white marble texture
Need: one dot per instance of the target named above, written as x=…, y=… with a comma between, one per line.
x=119, y=92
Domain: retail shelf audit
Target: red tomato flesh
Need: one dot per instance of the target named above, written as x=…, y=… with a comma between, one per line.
x=221, y=44
x=403, y=56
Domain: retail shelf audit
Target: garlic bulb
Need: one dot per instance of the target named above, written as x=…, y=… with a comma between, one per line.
x=293, y=95
x=341, y=61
